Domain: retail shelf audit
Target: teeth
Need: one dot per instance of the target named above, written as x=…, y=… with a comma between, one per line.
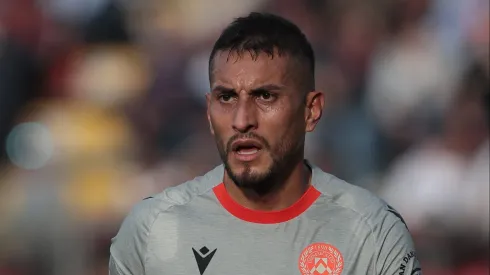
x=247, y=151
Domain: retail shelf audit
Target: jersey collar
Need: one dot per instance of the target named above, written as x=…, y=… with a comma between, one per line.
x=267, y=217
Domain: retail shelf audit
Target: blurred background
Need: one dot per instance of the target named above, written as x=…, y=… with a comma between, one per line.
x=102, y=104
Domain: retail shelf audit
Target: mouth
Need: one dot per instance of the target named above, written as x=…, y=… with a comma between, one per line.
x=246, y=150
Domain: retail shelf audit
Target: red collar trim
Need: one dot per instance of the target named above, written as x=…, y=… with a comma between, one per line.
x=266, y=217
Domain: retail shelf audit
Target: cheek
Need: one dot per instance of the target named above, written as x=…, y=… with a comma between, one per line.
x=284, y=132
x=219, y=127
x=216, y=119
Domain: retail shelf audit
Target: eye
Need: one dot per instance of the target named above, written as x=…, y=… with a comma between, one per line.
x=225, y=98
x=265, y=96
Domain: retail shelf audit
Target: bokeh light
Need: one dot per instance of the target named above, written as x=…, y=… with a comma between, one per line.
x=30, y=145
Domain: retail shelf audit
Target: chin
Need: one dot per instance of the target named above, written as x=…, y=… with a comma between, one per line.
x=254, y=168
x=249, y=180
x=249, y=175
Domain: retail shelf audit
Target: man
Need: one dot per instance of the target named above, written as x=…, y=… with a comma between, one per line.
x=266, y=210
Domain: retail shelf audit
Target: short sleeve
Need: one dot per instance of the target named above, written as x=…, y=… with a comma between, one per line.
x=395, y=248
x=129, y=246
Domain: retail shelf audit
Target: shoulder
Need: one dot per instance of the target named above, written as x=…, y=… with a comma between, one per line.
x=391, y=240
x=359, y=202
x=129, y=246
x=177, y=195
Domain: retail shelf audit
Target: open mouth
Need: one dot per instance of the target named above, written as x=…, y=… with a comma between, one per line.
x=247, y=150
x=246, y=147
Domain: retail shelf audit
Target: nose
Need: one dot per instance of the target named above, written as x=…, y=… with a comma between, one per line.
x=245, y=119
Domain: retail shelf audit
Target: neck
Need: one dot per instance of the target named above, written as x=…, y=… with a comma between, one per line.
x=288, y=192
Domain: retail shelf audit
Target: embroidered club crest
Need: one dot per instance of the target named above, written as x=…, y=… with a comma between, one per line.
x=321, y=259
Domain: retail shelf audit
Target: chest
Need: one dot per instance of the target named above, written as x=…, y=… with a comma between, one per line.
x=215, y=247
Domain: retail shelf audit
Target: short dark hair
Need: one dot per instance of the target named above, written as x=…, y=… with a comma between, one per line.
x=266, y=33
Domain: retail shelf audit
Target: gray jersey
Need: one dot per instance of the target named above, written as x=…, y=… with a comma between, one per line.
x=196, y=228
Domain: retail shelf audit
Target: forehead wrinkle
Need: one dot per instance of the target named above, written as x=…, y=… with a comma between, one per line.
x=250, y=81
x=247, y=76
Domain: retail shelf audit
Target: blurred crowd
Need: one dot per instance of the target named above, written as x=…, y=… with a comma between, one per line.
x=102, y=104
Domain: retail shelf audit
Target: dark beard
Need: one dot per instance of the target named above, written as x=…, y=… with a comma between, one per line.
x=269, y=181
x=260, y=183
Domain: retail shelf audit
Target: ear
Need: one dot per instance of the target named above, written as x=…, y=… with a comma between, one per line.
x=315, y=101
x=208, y=104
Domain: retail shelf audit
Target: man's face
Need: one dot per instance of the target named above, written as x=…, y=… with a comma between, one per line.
x=258, y=116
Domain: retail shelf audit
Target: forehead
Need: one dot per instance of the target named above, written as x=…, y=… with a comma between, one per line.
x=245, y=69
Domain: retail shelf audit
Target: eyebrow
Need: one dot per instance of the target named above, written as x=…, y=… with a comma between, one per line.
x=221, y=88
x=267, y=87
